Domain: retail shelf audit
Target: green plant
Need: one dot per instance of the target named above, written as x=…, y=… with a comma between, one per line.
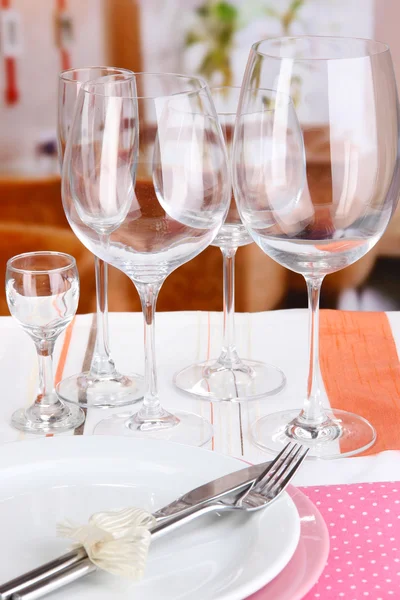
x=286, y=19
x=217, y=25
x=288, y=16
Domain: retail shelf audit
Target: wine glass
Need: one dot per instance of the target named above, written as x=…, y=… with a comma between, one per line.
x=345, y=93
x=161, y=181
x=42, y=290
x=229, y=377
x=102, y=386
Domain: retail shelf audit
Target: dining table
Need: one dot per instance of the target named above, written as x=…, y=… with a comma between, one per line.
x=358, y=497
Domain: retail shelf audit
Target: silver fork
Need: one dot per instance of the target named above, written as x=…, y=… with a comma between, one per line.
x=264, y=490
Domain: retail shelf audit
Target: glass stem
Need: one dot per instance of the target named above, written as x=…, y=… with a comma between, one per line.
x=313, y=413
x=46, y=395
x=102, y=363
x=151, y=408
x=229, y=354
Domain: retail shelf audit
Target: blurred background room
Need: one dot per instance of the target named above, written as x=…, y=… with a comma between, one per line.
x=39, y=38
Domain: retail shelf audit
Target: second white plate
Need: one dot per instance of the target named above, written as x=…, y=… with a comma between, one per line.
x=223, y=557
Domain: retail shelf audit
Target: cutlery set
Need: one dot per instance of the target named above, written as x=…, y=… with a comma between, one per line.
x=248, y=490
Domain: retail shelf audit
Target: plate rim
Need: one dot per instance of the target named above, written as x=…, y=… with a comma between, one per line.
x=307, y=508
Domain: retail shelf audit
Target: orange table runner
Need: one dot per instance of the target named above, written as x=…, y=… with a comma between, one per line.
x=361, y=370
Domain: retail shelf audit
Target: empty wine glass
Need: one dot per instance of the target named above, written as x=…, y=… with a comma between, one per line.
x=346, y=102
x=42, y=290
x=160, y=182
x=229, y=377
x=101, y=386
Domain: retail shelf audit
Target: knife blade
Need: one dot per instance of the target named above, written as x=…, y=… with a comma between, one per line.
x=223, y=486
x=227, y=484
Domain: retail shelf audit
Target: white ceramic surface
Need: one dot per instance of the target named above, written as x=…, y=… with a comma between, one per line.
x=223, y=557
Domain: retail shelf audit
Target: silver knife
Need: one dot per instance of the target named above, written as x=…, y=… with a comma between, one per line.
x=35, y=580
x=208, y=492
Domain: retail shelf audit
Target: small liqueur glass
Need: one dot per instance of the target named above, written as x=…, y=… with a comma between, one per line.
x=42, y=290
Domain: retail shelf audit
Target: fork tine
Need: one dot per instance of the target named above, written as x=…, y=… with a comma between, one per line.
x=276, y=486
x=268, y=471
x=273, y=466
x=280, y=464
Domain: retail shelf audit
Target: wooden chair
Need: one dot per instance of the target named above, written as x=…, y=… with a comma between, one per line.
x=16, y=238
x=32, y=218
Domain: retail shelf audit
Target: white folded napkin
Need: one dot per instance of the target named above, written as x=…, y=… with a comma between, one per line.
x=117, y=542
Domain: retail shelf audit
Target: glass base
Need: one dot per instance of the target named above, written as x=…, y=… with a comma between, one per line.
x=183, y=428
x=35, y=420
x=239, y=381
x=341, y=434
x=107, y=392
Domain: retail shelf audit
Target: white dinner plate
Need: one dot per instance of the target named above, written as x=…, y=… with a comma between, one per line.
x=224, y=557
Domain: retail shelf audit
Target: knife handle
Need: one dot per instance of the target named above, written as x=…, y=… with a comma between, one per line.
x=68, y=572
x=75, y=565
x=56, y=581
x=41, y=573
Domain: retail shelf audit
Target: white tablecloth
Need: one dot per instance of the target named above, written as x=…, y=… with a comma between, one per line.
x=278, y=337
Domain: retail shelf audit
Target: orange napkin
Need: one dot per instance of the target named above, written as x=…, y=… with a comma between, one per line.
x=361, y=371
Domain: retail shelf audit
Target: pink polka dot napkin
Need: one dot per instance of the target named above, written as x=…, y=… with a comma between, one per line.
x=364, y=528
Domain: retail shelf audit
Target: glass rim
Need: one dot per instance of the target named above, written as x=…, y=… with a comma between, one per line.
x=381, y=47
x=216, y=88
x=71, y=259
x=277, y=93
x=225, y=87
x=287, y=97
x=63, y=75
x=132, y=75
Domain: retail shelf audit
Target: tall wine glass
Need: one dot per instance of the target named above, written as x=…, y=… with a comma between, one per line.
x=103, y=385
x=229, y=377
x=345, y=93
x=164, y=201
